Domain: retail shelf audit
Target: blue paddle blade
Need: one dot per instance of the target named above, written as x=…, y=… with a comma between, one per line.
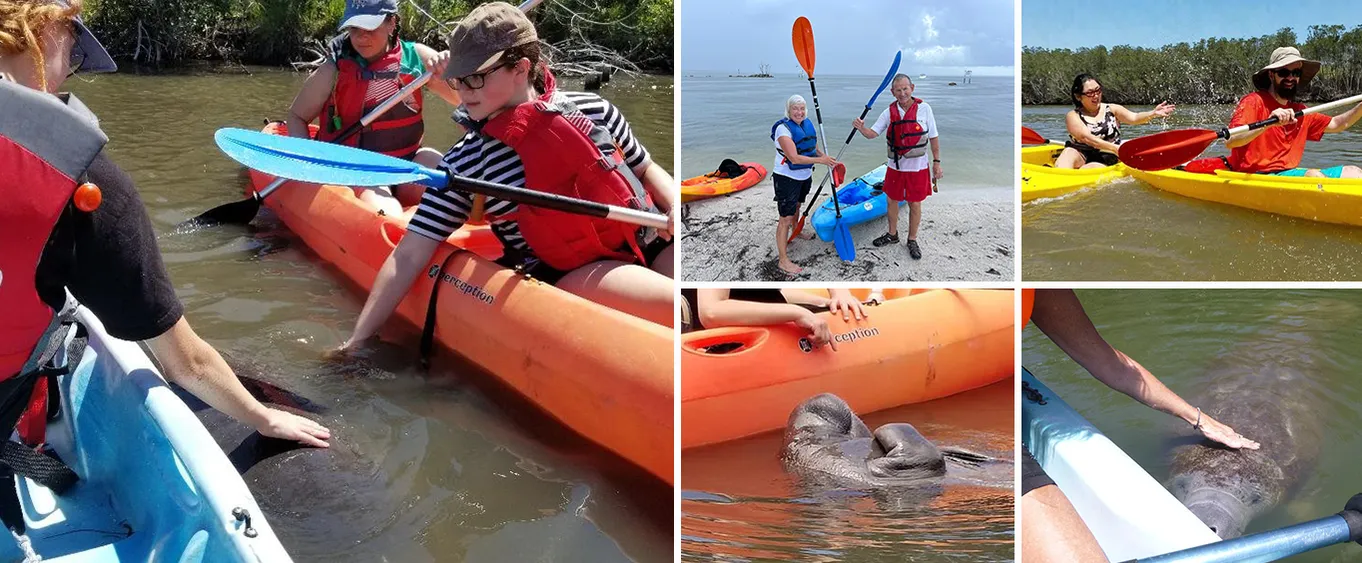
x=317, y=162
x=841, y=238
x=888, y=77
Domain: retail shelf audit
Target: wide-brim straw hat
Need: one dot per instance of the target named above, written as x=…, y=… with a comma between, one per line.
x=1281, y=57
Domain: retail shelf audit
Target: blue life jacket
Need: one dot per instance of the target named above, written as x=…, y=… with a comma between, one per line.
x=805, y=139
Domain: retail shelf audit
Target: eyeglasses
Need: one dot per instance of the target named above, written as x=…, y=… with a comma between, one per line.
x=1284, y=73
x=476, y=80
x=77, y=53
x=1093, y=93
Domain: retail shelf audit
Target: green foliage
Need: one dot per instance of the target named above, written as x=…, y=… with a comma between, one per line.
x=167, y=33
x=1210, y=71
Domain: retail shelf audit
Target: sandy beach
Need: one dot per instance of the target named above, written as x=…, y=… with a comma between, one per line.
x=966, y=235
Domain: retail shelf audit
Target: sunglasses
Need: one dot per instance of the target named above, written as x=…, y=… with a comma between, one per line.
x=1093, y=93
x=477, y=80
x=77, y=53
x=1284, y=73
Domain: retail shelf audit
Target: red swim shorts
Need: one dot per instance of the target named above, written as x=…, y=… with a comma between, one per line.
x=908, y=186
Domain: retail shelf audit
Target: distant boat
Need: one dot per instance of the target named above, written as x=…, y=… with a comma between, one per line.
x=922, y=76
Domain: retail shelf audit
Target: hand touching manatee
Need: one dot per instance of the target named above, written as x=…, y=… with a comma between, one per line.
x=288, y=426
x=1216, y=431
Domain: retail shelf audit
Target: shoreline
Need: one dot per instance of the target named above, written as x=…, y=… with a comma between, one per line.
x=966, y=235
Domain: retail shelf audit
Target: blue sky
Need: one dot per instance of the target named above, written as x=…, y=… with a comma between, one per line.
x=1088, y=23
x=850, y=36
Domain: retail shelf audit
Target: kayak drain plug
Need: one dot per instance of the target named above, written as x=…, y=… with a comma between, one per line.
x=243, y=515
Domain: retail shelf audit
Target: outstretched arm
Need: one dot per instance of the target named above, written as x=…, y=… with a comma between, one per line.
x=1060, y=315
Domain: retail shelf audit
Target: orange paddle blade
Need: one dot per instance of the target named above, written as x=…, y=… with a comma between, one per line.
x=1031, y=137
x=1162, y=151
x=803, y=44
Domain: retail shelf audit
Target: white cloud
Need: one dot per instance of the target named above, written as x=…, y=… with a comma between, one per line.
x=939, y=55
x=928, y=31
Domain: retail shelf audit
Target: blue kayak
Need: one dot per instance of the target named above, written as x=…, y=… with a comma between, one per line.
x=861, y=201
x=154, y=486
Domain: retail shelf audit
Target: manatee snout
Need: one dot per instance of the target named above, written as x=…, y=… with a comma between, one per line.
x=1224, y=508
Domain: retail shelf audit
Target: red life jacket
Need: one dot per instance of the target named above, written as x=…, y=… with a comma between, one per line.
x=564, y=152
x=906, y=137
x=360, y=88
x=45, y=147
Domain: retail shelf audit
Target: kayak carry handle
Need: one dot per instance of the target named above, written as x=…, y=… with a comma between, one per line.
x=243, y=515
x=725, y=341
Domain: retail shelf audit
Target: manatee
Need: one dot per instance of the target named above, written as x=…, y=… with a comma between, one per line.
x=827, y=445
x=1269, y=390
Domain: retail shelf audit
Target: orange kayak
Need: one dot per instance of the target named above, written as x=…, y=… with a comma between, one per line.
x=603, y=373
x=916, y=346
x=709, y=185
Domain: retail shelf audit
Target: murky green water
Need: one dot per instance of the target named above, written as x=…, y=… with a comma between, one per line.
x=738, y=504
x=1181, y=334
x=455, y=469
x=1127, y=230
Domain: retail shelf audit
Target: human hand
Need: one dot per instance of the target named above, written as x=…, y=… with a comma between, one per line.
x=1285, y=116
x=1164, y=109
x=827, y=160
x=875, y=298
x=858, y=124
x=1218, y=432
x=819, y=333
x=288, y=426
x=843, y=301
x=936, y=170
x=438, y=63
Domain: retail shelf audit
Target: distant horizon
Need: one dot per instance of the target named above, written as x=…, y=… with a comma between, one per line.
x=1011, y=73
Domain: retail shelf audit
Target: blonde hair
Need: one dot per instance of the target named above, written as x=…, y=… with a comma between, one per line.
x=789, y=103
x=22, y=20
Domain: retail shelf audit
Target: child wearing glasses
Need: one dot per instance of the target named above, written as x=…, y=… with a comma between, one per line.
x=525, y=132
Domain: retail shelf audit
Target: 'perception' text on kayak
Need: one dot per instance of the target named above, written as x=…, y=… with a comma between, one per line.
x=463, y=286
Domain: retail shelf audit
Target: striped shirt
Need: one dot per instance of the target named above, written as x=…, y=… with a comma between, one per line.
x=442, y=211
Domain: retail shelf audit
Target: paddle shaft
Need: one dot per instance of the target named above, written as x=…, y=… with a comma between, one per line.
x=1226, y=133
x=1274, y=544
x=559, y=202
x=354, y=128
x=822, y=136
x=827, y=175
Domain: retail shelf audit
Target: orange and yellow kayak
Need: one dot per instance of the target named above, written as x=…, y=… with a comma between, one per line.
x=603, y=373
x=916, y=346
x=709, y=185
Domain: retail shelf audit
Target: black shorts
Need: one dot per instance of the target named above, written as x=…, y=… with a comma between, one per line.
x=1032, y=475
x=1093, y=155
x=790, y=193
x=545, y=273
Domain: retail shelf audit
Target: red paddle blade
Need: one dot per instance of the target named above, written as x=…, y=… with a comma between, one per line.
x=803, y=44
x=839, y=174
x=1031, y=137
x=798, y=228
x=1162, y=151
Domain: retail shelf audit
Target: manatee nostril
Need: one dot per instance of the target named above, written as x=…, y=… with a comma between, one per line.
x=1214, y=530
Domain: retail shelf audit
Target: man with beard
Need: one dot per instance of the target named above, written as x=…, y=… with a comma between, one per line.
x=1278, y=149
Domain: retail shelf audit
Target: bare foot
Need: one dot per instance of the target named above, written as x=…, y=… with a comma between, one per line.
x=807, y=234
x=790, y=267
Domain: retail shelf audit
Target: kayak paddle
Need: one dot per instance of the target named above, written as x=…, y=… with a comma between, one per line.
x=1346, y=526
x=242, y=212
x=317, y=162
x=1162, y=151
x=1031, y=137
x=839, y=172
x=804, y=51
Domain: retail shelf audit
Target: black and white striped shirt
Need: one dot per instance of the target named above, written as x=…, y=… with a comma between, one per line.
x=443, y=211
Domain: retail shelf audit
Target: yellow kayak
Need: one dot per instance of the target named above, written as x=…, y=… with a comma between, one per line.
x=1041, y=154
x=1326, y=200
x=1041, y=179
